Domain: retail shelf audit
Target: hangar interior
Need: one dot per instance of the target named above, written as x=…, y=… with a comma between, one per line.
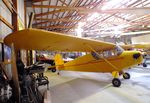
x=121, y=22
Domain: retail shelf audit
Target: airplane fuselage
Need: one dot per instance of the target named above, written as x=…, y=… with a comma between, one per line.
x=88, y=63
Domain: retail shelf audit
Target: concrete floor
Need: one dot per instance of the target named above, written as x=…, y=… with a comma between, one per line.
x=79, y=87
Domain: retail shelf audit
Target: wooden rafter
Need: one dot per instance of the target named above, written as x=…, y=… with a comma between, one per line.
x=8, y=5
x=70, y=14
x=121, y=18
x=6, y=22
x=54, y=15
x=38, y=0
x=47, y=13
x=59, y=16
x=62, y=14
x=63, y=19
x=94, y=5
x=53, y=20
x=39, y=23
x=113, y=14
x=87, y=10
x=15, y=16
x=63, y=2
x=59, y=7
x=59, y=26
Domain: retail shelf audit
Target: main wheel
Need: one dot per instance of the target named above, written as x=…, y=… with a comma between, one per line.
x=126, y=76
x=53, y=70
x=144, y=65
x=116, y=82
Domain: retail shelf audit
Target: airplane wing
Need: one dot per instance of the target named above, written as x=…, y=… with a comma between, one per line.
x=36, y=39
x=136, y=46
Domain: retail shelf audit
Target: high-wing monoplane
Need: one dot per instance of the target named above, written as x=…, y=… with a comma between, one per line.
x=101, y=56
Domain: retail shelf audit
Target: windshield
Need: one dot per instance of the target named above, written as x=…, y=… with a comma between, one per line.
x=108, y=53
x=119, y=49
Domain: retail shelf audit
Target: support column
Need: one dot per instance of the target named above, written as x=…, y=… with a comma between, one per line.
x=16, y=88
x=14, y=16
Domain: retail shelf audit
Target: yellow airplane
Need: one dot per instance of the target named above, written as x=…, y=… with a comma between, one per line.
x=144, y=48
x=101, y=57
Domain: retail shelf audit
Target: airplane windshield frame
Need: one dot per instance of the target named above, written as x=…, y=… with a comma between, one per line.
x=119, y=49
x=108, y=53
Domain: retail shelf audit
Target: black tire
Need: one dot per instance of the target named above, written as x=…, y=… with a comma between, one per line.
x=126, y=76
x=116, y=82
x=53, y=70
x=144, y=65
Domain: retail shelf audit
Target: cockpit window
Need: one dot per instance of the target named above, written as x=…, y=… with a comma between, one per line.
x=96, y=56
x=108, y=53
x=118, y=50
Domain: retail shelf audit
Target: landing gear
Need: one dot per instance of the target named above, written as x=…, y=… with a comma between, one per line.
x=53, y=70
x=126, y=75
x=116, y=82
x=58, y=73
x=144, y=65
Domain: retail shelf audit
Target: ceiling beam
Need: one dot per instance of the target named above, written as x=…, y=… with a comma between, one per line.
x=66, y=17
x=38, y=0
x=53, y=20
x=63, y=19
x=8, y=5
x=59, y=26
x=87, y=10
x=141, y=18
x=70, y=20
x=63, y=2
x=47, y=13
x=39, y=23
x=6, y=22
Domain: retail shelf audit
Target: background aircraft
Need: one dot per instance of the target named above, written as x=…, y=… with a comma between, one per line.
x=101, y=57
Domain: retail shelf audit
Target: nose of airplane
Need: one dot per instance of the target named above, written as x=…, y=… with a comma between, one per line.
x=136, y=55
x=144, y=55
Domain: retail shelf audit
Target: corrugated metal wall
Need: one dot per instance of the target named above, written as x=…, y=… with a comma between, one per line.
x=7, y=15
x=141, y=39
x=6, y=27
x=5, y=52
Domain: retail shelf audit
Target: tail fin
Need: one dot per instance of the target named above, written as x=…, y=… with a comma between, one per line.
x=58, y=61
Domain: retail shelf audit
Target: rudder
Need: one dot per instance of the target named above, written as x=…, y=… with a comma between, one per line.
x=59, y=63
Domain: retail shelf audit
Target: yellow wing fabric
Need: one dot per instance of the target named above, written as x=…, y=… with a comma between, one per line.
x=136, y=46
x=36, y=39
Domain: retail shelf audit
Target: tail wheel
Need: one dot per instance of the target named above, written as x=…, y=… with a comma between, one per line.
x=126, y=76
x=116, y=82
x=120, y=73
x=53, y=70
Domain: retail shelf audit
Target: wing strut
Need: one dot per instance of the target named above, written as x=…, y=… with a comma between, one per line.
x=116, y=81
x=116, y=73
